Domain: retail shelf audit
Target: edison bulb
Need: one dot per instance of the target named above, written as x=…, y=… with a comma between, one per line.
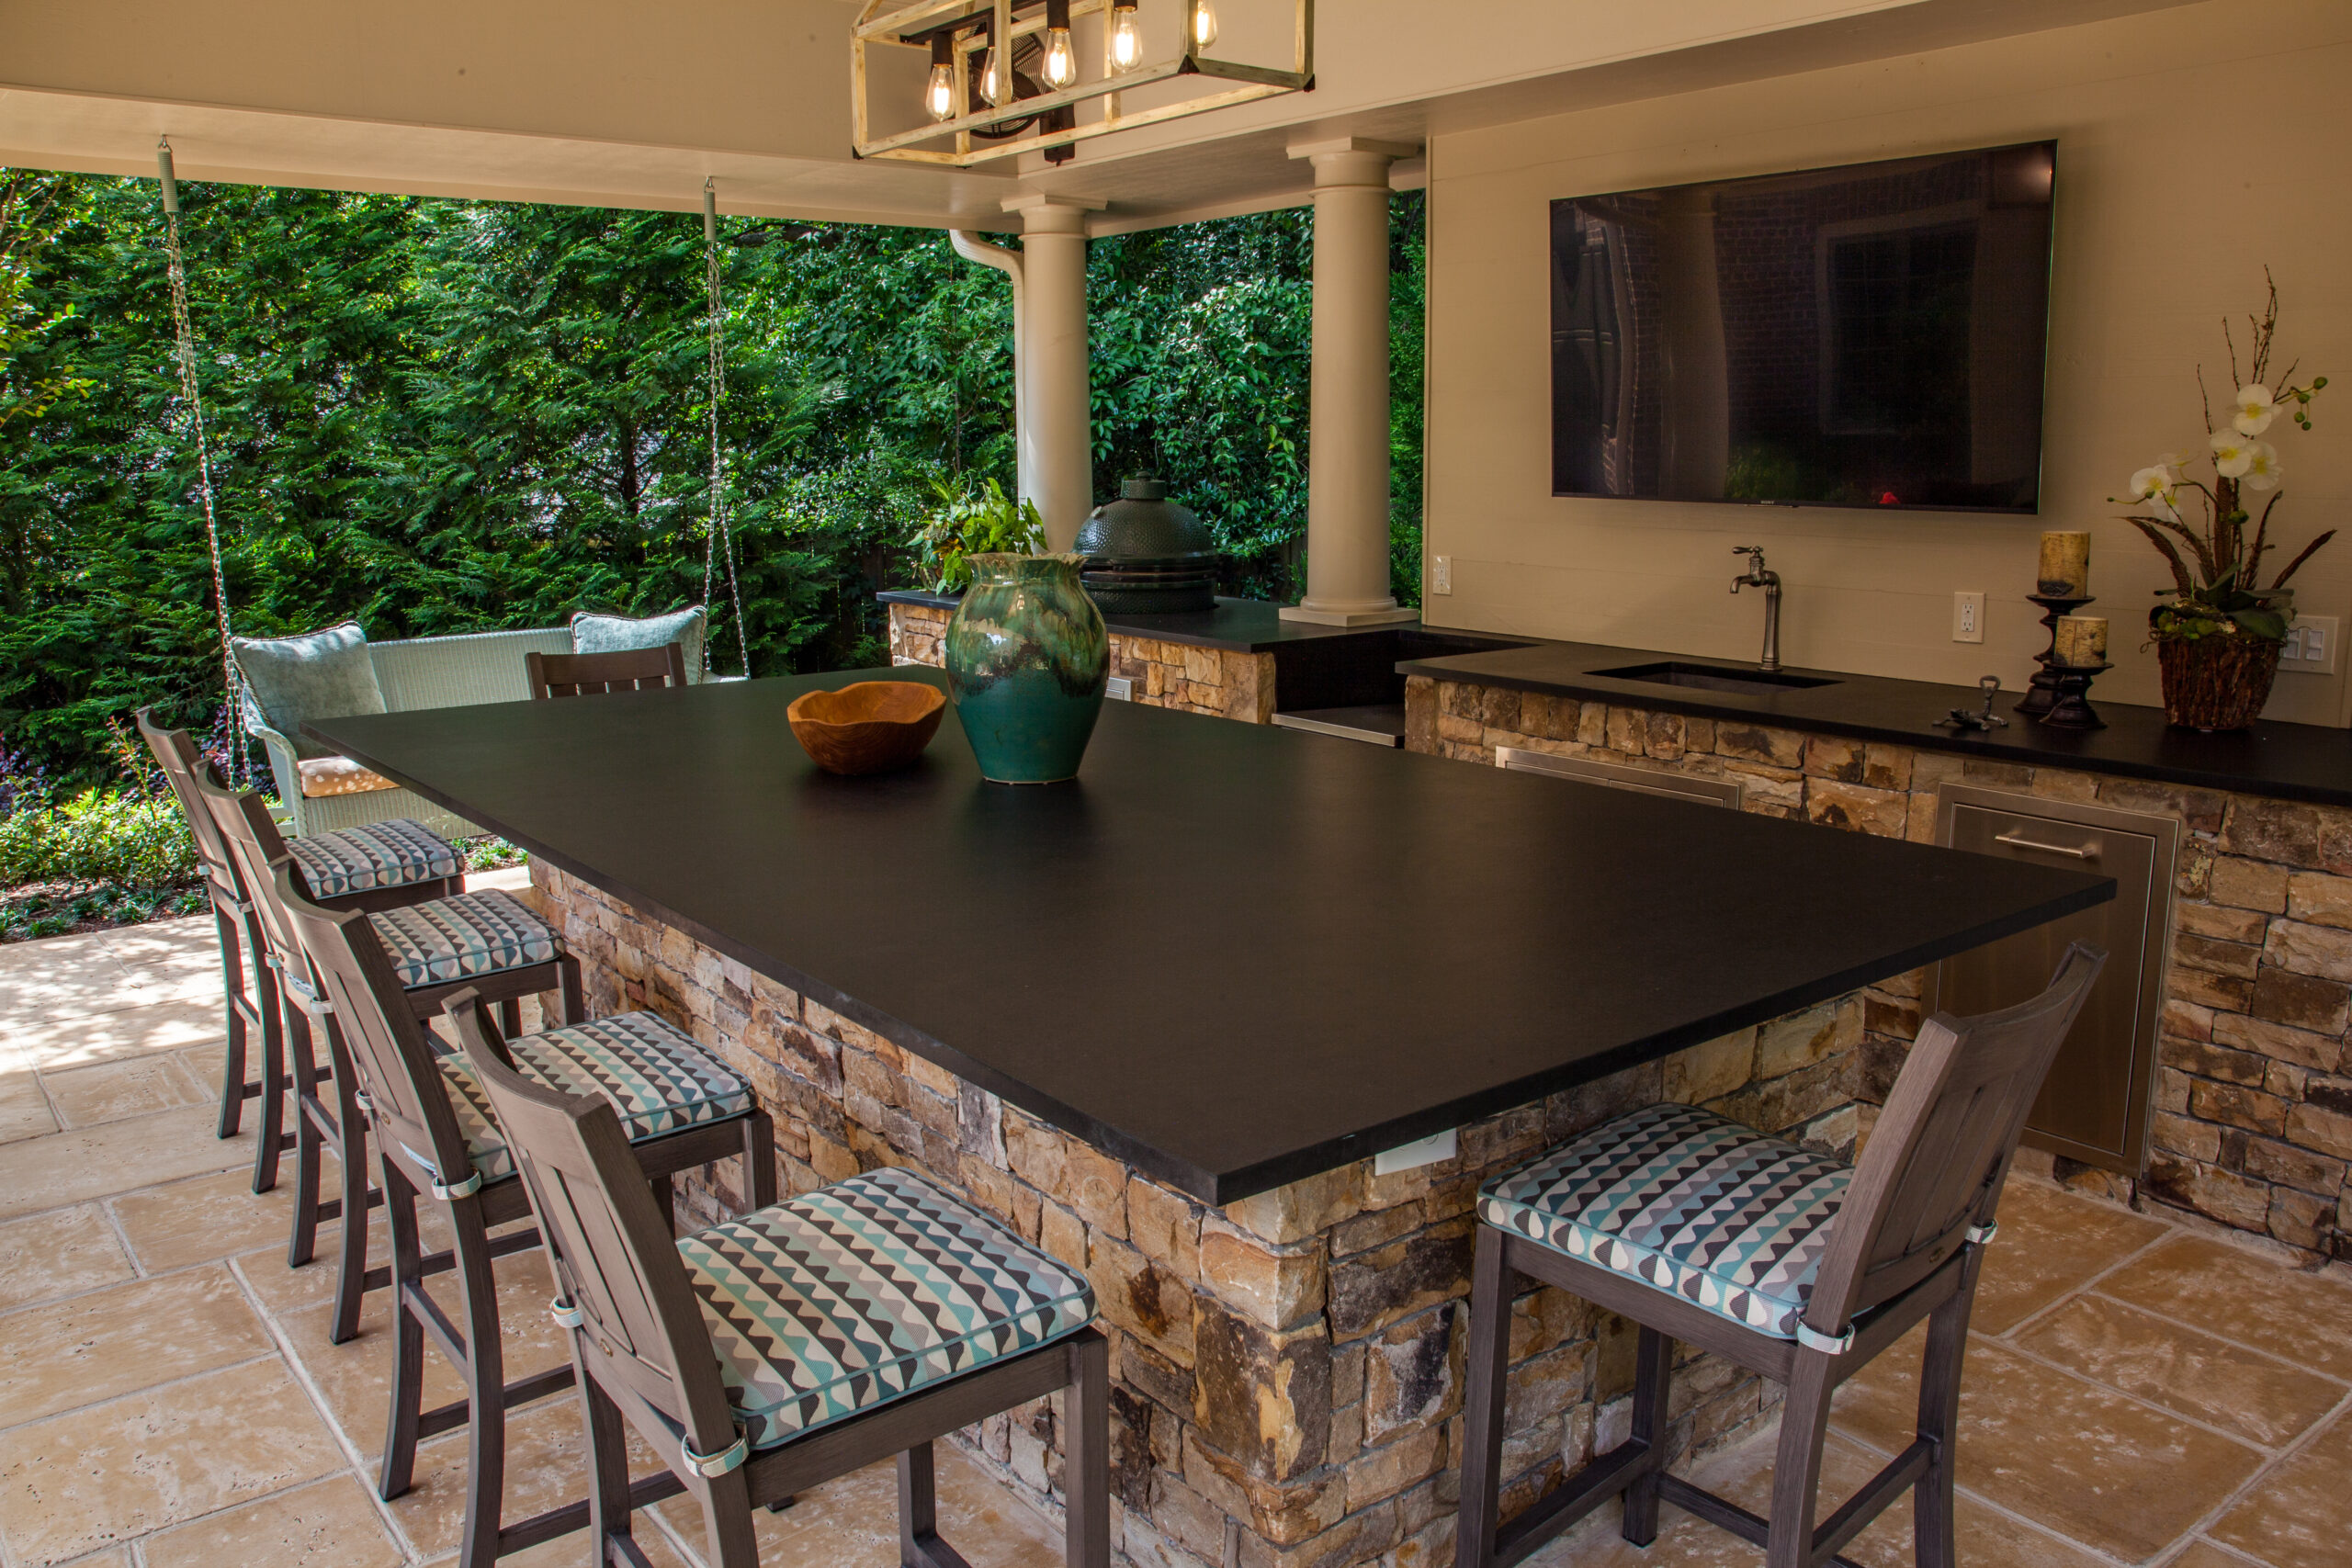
x=1127, y=38
x=988, y=79
x=939, y=93
x=1061, y=59
x=1203, y=26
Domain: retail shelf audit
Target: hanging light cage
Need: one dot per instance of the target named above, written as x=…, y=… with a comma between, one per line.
x=1028, y=114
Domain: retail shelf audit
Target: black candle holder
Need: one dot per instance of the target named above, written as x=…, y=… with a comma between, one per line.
x=2072, y=709
x=2041, y=693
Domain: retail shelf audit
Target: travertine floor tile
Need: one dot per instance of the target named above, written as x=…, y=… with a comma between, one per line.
x=67, y=1354
x=2299, y=1516
x=84, y=979
x=2224, y=1289
x=90, y=1478
x=2205, y=1554
x=570, y=1552
x=59, y=1254
x=164, y=939
x=204, y=1218
x=112, y=1091
x=547, y=1466
x=23, y=1110
x=206, y=1065
x=98, y=1162
x=2081, y=1459
x=2211, y=1379
x=328, y=1524
x=2051, y=1243
x=110, y=1036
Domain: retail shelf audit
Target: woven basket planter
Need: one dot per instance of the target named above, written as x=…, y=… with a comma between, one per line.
x=2216, y=682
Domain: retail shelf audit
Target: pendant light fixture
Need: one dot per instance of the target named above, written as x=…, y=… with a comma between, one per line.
x=1203, y=25
x=1061, y=55
x=939, y=92
x=1127, y=37
x=992, y=75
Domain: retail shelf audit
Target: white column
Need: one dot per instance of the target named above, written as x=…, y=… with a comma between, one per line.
x=1058, y=396
x=1347, y=434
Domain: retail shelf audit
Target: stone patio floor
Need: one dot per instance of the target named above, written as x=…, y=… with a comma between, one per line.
x=2138, y=1391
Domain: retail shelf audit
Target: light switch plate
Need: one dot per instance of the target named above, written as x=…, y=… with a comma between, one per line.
x=2310, y=646
x=1415, y=1155
x=1440, y=574
x=1120, y=688
x=1968, y=617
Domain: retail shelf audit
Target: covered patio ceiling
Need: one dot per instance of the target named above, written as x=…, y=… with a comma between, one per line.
x=603, y=102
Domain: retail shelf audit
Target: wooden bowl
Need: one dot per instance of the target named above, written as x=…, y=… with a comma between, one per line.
x=869, y=728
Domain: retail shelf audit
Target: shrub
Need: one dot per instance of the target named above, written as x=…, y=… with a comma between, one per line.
x=127, y=839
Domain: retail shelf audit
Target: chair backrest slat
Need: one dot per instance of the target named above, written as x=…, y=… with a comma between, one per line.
x=407, y=1095
x=242, y=826
x=641, y=1325
x=1942, y=1147
x=627, y=669
x=183, y=767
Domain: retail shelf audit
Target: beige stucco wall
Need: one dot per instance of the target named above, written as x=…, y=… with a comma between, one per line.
x=2195, y=145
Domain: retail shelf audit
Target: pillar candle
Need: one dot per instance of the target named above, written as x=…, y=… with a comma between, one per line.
x=2065, y=566
x=2081, y=639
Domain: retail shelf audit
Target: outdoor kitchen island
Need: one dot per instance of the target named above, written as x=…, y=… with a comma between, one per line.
x=1159, y=1020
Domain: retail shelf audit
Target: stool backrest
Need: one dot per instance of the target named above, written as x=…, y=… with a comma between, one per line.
x=1935, y=1160
x=407, y=1097
x=641, y=1330
x=184, y=767
x=241, y=823
x=626, y=670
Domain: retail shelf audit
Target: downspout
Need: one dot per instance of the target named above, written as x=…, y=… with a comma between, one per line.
x=972, y=248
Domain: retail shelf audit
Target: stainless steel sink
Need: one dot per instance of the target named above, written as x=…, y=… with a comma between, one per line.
x=1715, y=677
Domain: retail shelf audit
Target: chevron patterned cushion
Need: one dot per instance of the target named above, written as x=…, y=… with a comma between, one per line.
x=864, y=1291
x=398, y=853
x=458, y=938
x=657, y=1077
x=1731, y=1219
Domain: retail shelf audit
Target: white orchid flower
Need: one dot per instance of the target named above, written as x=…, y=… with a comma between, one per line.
x=2233, y=452
x=2155, y=485
x=2254, y=410
x=2262, y=467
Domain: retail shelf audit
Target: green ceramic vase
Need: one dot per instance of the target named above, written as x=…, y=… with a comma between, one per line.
x=1026, y=656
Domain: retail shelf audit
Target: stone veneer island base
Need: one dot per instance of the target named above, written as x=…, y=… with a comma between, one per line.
x=1286, y=1368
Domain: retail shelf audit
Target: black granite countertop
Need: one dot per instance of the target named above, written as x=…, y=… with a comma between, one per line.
x=1242, y=626
x=1230, y=954
x=2289, y=762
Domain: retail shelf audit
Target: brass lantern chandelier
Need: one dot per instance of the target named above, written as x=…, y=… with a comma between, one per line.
x=1011, y=77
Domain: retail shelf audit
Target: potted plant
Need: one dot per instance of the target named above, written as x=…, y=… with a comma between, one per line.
x=2219, y=629
x=968, y=522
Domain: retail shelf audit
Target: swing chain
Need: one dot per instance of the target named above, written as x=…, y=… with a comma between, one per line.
x=184, y=335
x=718, y=529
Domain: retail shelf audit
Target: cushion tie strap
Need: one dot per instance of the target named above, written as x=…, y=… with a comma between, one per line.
x=1812, y=1338
x=445, y=1191
x=566, y=1315
x=1978, y=1235
x=710, y=1467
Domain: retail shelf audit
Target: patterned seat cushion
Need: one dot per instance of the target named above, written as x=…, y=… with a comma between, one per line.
x=323, y=776
x=398, y=853
x=460, y=938
x=864, y=1291
x=1728, y=1218
x=656, y=1077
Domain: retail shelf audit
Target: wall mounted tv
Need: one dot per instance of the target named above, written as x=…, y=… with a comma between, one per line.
x=1869, y=335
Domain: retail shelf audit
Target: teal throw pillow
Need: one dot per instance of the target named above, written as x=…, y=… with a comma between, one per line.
x=323, y=675
x=592, y=633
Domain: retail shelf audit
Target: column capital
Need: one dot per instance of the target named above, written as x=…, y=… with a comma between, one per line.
x=1043, y=214
x=1352, y=160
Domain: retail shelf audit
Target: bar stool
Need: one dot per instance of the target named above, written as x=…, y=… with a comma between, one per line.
x=797, y=1343
x=514, y=952
x=623, y=670
x=374, y=867
x=1787, y=1262
x=435, y=1136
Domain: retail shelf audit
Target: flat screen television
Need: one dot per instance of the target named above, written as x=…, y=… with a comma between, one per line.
x=1869, y=335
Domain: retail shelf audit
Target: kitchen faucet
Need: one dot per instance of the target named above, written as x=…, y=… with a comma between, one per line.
x=1757, y=577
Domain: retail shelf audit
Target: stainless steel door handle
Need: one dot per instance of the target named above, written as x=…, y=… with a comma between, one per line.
x=2081, y=852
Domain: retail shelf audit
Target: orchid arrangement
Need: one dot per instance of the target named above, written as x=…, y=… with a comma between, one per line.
x=2216, y=566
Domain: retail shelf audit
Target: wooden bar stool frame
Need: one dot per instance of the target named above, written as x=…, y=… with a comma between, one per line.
x=255, y=847
x=405, y=1101
x=624, y=669
x=642, y=1354
x=1907, y=1243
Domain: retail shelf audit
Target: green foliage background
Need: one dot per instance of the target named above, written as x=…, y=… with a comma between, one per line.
x=438, y=416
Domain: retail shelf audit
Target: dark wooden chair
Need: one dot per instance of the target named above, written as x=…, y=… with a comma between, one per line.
x=628, y=669
x=1776, y=1259
x=325, y=1115
x=645, y=1343
x=435, y=1138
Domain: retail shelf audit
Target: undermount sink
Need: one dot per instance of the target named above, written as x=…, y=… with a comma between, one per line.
x=1715, y=677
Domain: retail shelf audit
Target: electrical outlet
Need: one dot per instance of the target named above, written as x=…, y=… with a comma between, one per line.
x=2310, y=646
x=1968, y=617
x=1440, y=574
